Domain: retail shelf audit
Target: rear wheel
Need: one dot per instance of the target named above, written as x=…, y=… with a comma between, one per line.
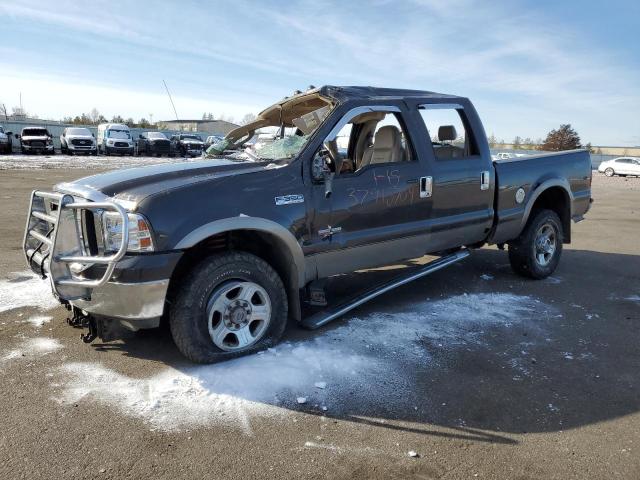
x=536, y=252
x=231, y=304
x=609, y=172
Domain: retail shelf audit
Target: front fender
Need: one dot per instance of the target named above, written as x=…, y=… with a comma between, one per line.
x=249, y=223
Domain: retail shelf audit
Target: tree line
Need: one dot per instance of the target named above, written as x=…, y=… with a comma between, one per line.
x=562, y=138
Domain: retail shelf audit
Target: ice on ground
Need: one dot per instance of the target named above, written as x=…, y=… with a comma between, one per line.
x=486, y=276
x=633, y=298
x=367, y=361
x=25, y=289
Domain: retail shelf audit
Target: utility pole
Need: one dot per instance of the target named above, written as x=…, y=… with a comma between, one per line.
x=170, y=99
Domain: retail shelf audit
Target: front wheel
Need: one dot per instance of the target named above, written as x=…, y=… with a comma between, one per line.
x=609, y=172
x=229, y=305
x=536, y=252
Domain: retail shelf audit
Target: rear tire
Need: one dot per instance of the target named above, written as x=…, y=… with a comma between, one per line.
x=609, y=172
x=536, y=252
x=206, y=307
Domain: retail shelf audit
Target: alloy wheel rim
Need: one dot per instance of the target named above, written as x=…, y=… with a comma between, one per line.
x=545, y=244
x=238, y=315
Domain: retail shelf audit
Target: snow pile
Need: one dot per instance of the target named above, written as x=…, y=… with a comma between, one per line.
x=364, y=361
x=24, y=289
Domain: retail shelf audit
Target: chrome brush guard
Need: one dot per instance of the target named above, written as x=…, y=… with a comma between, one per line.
x=55, y=243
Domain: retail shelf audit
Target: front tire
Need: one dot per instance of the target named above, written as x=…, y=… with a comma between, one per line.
x=536, y=252
x=229, y=305
x=609, y=172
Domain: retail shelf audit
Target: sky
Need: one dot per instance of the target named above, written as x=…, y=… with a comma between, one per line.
x=527, y=65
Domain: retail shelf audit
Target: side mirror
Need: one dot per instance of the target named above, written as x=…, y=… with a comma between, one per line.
x=321, y=171
x=64, y=134
x=9, y=134
x=140, y=137
x=93, y=135
x=17, y=135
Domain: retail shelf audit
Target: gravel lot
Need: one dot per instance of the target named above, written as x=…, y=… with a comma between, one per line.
x=481, y=373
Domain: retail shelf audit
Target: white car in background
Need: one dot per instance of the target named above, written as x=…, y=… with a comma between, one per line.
x=5, y=141
x=622, y=166
x=78, y=140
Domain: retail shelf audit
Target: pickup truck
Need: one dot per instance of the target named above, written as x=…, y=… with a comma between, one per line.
x=36, y=140
x=227, y=248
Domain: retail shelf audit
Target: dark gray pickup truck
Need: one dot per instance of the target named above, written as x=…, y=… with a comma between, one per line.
x=228, y=247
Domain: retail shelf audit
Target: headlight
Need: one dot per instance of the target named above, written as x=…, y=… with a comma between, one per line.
x=140, y=238
x=109, y=142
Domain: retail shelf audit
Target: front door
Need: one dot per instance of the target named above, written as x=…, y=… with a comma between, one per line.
x=376, y=213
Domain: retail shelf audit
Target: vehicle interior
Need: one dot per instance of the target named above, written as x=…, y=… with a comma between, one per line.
x=369, y=139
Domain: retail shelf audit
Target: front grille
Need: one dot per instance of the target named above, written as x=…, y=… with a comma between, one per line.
x=161, y=145
x=36, y=144
x=121, y=144
x=81, y=142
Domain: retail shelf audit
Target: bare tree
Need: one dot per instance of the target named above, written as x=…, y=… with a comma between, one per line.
x=248, y=118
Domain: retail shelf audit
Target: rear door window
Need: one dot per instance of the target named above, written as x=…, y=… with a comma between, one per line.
x=449, y=133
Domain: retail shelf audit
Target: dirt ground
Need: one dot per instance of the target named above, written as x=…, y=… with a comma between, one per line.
x=481, y=373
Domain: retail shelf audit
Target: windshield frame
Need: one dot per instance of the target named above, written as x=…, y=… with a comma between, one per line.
x=278, y=115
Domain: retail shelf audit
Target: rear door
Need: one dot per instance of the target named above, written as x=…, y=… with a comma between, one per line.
x=454, y=144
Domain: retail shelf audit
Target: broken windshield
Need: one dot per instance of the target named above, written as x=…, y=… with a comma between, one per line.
x=279, y=133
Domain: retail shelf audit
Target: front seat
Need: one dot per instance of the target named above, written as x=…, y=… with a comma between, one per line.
x=447, y=151
x=386, y=147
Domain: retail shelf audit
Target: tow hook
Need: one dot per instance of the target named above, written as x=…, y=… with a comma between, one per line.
x=82, y=320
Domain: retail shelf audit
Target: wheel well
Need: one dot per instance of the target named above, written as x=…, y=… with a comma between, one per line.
x=259, y=243
x=556, y=199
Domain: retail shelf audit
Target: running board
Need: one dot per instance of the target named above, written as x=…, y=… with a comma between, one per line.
x=322, y=318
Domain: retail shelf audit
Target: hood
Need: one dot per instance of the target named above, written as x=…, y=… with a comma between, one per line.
x=197, y=142
x=135, y=184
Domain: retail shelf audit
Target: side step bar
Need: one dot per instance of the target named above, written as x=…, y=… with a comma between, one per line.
x=322, y=318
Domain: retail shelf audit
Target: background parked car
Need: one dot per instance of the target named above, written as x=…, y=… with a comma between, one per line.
x=187, y=144
x=622, y=166
x=5, y=141
x=36, y=140
x=78, y=140
x=114, y=138
x=153, y=143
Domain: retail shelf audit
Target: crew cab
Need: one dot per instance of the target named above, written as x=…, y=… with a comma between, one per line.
x=187, y=144
x=78, y=140
x=5, y=141
x=36, y=140
x=153, y=143
x=229, y=247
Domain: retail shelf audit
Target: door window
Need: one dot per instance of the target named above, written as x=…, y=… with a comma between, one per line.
x=371, y=138
x=449, y=132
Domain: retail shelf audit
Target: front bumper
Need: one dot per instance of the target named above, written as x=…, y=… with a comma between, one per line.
x=46, y=148
x=82, y=148
x=135, y=305
x=136, y=293
x=119, y=150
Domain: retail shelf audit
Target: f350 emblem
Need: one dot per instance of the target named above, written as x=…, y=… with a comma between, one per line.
x=289, y=199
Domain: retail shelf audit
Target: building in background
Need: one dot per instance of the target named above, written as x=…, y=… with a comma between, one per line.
x=214, y=127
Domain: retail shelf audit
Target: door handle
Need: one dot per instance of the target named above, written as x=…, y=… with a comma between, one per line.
x=426, y=187
x=485, y=178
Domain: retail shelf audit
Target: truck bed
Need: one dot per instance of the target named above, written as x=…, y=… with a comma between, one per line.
x=567, y=173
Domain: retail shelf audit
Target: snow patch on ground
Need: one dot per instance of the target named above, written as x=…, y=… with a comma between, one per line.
x=633, y=298
x=365, y=361
x=24, y=289
x=39, y=320
x=33, y=347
